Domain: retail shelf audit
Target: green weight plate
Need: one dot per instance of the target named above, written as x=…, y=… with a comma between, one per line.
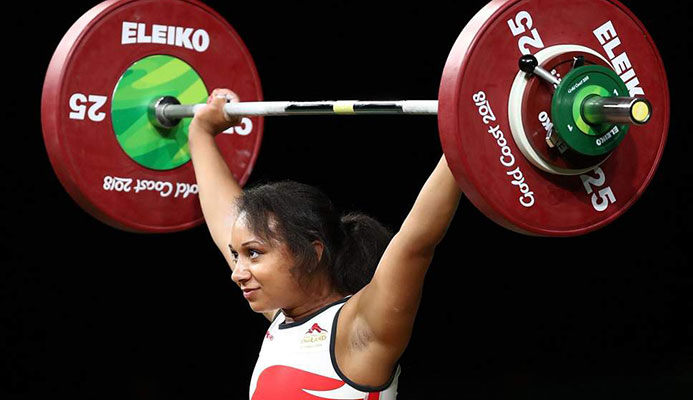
x=144, y=82
x=566, y=110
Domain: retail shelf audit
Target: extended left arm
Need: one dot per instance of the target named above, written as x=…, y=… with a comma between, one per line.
x=384, y=310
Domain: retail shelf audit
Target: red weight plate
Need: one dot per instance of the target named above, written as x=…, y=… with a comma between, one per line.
x=76, y=104
x=474, y=116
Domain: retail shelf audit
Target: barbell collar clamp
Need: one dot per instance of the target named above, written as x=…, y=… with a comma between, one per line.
x=161, y=118
x=529, y=64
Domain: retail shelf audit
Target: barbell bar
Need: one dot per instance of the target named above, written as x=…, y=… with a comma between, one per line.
x=622, y=110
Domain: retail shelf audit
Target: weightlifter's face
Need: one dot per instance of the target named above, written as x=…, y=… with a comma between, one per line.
x=261, y=268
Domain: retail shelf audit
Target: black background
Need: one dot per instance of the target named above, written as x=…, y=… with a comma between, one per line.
x=88, y=311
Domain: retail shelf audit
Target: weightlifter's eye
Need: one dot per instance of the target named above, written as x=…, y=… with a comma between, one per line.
x=234, y=254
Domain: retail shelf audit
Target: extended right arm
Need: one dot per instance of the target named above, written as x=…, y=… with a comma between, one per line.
x=218, y=189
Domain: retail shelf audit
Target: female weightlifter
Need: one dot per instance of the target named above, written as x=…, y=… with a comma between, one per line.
x=341, y=292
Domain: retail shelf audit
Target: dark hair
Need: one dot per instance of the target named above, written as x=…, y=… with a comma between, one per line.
x=299, y=214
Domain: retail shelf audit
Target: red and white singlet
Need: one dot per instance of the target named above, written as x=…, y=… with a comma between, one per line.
x=297, y=362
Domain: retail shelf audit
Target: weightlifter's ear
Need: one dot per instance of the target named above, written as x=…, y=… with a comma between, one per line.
x=319, y=248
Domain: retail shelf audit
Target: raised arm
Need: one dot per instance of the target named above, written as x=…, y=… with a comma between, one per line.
x=218, y=188
x=380, y=317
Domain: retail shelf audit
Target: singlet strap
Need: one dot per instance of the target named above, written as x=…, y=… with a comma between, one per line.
x=363, y=388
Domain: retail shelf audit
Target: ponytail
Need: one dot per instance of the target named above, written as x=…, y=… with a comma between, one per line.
x=365, y=241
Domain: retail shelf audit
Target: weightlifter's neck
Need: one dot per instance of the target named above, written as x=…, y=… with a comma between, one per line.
x=317, y=297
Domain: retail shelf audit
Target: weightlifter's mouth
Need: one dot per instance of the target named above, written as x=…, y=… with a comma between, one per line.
x=247, y=292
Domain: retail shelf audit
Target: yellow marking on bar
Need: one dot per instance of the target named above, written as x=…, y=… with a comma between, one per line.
x=640, y=111
x=343, y=107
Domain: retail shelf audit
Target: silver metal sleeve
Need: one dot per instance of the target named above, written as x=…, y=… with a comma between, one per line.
x=616, y=110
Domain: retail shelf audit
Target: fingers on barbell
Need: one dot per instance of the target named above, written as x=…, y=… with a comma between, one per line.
x=226, y=94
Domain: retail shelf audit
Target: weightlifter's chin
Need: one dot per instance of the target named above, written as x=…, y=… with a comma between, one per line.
x=255, y=301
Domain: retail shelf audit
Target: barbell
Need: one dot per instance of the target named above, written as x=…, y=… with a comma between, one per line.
x=559, y=136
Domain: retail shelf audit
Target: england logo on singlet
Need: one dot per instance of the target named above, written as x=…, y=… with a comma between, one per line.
x=314, y=337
